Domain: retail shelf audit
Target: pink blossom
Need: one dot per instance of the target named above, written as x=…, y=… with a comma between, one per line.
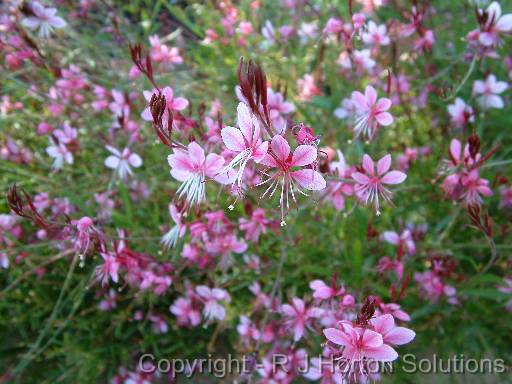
x=370, y=185
x=403, y=240
x=299, y=316
x=84, y=227
x=245, y=141
x=370, y=112
x=162, y=53
x=506, y=196
x=283, y=160
x=191, y=167
x=495, y=24
x=109, y=301
x=278, y=109
x=247, y=330
x=474, y=186
x=60, y=153
x=211, y=296
x=44, y=19
x=375, y=35
x=308, y=88
x=185, y=312
x=172, y=103
x=488, y=90
x=461, y=113
x=324, y=292
x=338, y=189
x=121, y=162
x=109, y=268
x=176, y=232
x=360, y=343
x=360, y=58
x=385, y=325
x=254, y=226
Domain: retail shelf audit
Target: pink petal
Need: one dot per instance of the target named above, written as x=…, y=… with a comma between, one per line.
x=359, y=101
x=196, y=153
x=399, y=336
x=337, y=337
x=179, y=104
x=280, y=147
x=382, y=353
x=304, y=155
x=383, y=165
x=504, y=24
x=383, y=104
x=180, y=161
x=269, y=161
x=260, y=152
x=361, y=178
x=371, y=95
x=309, y=179
x=394, y=177
x=213, y=164
x=288, y=310
x=299, y=304
x=371, y=339
x=368, y=165
x=455, y=149
x=383, y=324
x=384, y=118
x=233, y=139
x=391, y=237
x=112, y=162
x=135, y=160
x=244, y=121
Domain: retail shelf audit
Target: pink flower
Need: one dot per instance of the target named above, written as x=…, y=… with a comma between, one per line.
x=191, y=167
x=487, y=92
x=474, y=187
x=60, y=154
x=299, y=316
x=245, y=141
x=375, y=35
x=362, y=60
x=185, y=312
x=385, y=325
x=324, y=292
x=337, y=189
x=44, y=19
x=494, y=25
x=121, y=161
x=211, y=296
x=506, y=196
x=283, y=160
x=254, y=226
x=308, y=88
x=460, y=113
x=370, y=112
x=178, y=231
x=370, y=185
x=247, y=329
x=277, y=109
x=360, y=343
x=84, y=226
x=109, y=268
x=404, y=239
x=172, y=103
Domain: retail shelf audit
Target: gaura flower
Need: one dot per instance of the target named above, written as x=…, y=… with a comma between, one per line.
x=121, y=161
x=191, y=167
x=172, y=103
x=170, y=239
x=370, y=112
x=290, y=181
x=44, y=19
x=487, y=92
x=245, y=140
x=369, y=185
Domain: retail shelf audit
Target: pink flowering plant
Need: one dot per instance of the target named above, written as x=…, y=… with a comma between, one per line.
x=321, y=190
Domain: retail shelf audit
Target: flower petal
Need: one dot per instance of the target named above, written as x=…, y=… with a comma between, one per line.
x=304, y=155
x=383, y=165
x=399, y=336
x=233, y=139
x=368, y=165
x=309, y=179
x=337, y=337
x=280, y=147
x=394, y=177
